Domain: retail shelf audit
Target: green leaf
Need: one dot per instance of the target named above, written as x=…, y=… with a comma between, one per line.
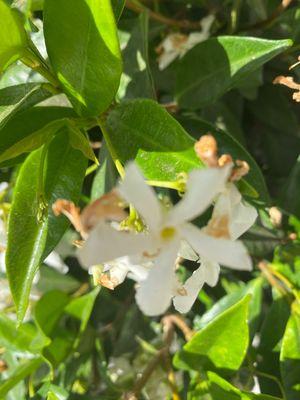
x=82, y=307
x=143, y=131
x=221, y=345
x=25, y=338
x=117, y=6
x=33, y=141
x=20, y=97
x=215, y=66
x=290, y=358
x=254, y=181
x=290, y=193
x=32, y=222
x=13, y=37
x=217, y=388
x=83, y=48
x=19, y=375
x=137, y=80
x=106, y=176
x=254, y=288
x=24, y=124
x=49, y=309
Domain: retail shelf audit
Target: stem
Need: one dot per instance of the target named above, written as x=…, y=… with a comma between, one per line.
x=111, y=149
x=36, y=62
x=156, y=360
x=137, y=7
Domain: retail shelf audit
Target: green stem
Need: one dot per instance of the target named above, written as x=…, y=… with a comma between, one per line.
x=35, y=62
x=164, y=184
x=111, y=149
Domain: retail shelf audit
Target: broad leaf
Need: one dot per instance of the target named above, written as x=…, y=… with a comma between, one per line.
x=215, y=66
x=221, y=345
x=84, y=51
x=143, y=131
x=13, y=37
x=290, y=358
x=253, y=182
x=31, y=222
x=20, y=97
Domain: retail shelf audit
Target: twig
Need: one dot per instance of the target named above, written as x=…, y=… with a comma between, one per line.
x=141, y=382
x=184, y=24
x=181, y=324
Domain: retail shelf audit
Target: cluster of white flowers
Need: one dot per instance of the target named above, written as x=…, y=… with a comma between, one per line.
x=149, y=257
x=177, y=44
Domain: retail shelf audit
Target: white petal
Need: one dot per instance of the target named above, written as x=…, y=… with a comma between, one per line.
x=166, y=58
x=243, y=217
x=226, y=252
x=154, y=294
x=187, y=252
x=202, y=187
x=136, y=192
x=211, y=272
x=105, y=244
x=54, y=261
x=193, y=285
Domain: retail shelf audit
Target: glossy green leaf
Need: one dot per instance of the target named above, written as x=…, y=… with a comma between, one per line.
x=143, y=131
x=27, y=122
x=34, y=140
x=13, y=37
x=20, y=97
x=19, y=375
x=83, y=48
x=221, y=345
x=31, y=220
x=254, y=181
x=215, y=66
x=290, y=358
x=254, y=288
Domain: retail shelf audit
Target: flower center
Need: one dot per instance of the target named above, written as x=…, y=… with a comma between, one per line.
x=168, y=232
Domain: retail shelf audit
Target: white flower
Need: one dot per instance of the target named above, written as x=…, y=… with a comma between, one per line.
x=230, y=219
x=177, y=45
x=166, y=230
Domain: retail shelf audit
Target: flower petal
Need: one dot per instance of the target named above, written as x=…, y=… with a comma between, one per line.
x=211, y=272
x=243, y=217
x=154, y=294
x=193, y=285
x=230, y=253
x=202, y=187
x=136, y=192
x=105, y=244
